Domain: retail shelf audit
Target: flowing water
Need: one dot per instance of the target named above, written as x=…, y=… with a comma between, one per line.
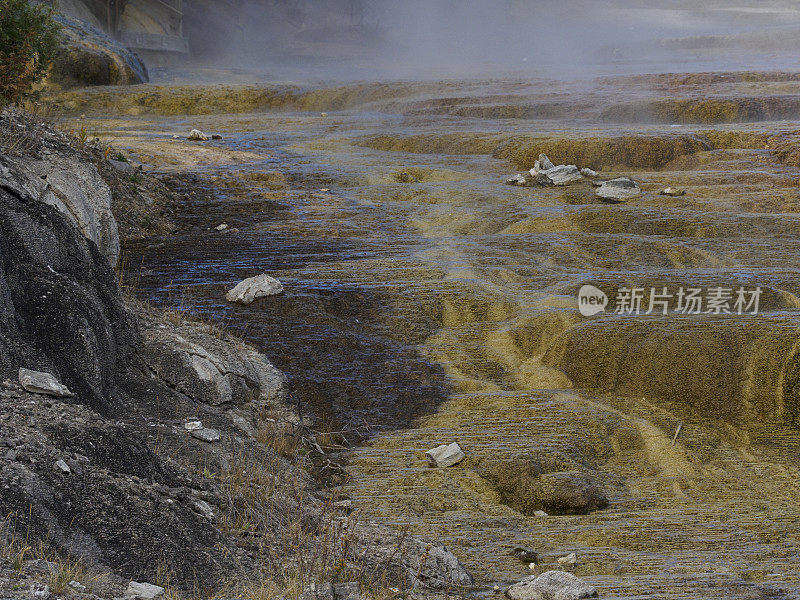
x=428, y=302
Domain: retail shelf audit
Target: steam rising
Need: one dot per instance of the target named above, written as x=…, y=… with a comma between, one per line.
x=458, y=38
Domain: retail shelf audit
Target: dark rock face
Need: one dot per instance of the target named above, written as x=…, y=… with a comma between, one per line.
x=89, y=57
x=61, y=308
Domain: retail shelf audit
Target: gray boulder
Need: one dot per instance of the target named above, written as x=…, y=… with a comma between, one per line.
x=562, y=174
x=445, y=455
x=622, y=188
x=253, y=288
x=542, y=164
x=551, y=585
x=42, y=383
x=517, y=180
x=71, y=185
x=212, y=369
x=206, y=434
x=143, y=591
x=195, y=135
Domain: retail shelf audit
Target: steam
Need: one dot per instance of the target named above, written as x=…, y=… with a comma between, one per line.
x=341, y=39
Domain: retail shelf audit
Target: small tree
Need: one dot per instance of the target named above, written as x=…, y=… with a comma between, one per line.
x=29, y=38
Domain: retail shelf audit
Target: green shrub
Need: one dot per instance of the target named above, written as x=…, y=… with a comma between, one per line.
x=29, y=37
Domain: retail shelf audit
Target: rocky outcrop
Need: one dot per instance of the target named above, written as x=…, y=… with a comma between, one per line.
x=90, y=57
x=211, y=367
x=60, y=178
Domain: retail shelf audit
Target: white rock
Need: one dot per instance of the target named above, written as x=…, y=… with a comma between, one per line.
x=570, y=560
x=77, y=586
x=445, y=455
x=40, y=593
x=563, y=174
x=516, y=180
x=205, y=509
x=197, y=136
x=62, y=467
x=532, y=566
x=206, y=434
x=143, y=591
x=621, y=188
x=587, y=172
x=540, y=513
x=221, y=227
x=552, y=585
x=42, y=383
x=255, y=287
x=671, y=191
x=193, y=425
x=543, y=164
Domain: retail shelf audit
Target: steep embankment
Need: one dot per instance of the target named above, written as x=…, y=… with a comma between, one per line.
x=177, y=458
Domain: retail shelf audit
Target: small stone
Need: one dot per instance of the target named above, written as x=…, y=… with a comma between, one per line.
x=517, y=180
x=61, y=467
x=206, y=434
x=77, y=586
x=445, y=455
x=323, y=591
x=40, y=593
x=540, y=513
x=551, y=585
x=525, y=555
x=42, y=383
x=346, y=505
x=197, y=136
x=143, y=591
x=325, y=190
x=570, y=560
x=193, y=425
x=245, y=292
x=221, y=227
x=122, y=166
x=176, y=137
x=496, y=589
x=542, y=164
x=587, y=172
x=216, y=136
x=205, y=509
x=618, y=189
x=323, y=114
x=674, y=192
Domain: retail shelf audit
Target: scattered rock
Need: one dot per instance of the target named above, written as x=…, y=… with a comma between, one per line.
x=221, y=227
x=570, y=560
x=540, y=513
x=445, y=455
x=517, y=180
x=40, y=593
x=197, y=136
x=587, y=172
x=496, y=589
x=37, y=382
x=562, y=174
x=318, y=591
x=123, y=166
x=552, y=585
x=193, y=425
x=77, y=586
x=323, y=114
x=216, y=136
x=253, y=288
x=674, y=192
x=543, y=164
x=205, y=509
x=618, y=189
x=143, y=591
x=525, y=555
x=206, y=434
x=62, y=467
